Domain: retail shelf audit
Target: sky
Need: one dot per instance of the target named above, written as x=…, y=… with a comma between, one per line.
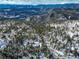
x=37, y=1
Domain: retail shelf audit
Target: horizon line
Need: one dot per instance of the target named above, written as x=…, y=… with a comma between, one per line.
x=36, y=4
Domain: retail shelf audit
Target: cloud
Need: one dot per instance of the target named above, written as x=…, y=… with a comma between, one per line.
x=37, y=1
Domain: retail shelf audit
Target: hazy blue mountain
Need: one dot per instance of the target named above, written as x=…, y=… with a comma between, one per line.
x=24, y=11
x=40, y=6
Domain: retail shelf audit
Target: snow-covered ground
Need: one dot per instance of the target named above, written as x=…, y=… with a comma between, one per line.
x=62, y=40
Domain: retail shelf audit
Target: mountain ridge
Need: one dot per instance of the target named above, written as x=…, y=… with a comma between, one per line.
x=12, y=11
x=67, y=5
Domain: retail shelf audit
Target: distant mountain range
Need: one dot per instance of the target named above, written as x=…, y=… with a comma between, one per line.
x=14, y=11
x=69, y=5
